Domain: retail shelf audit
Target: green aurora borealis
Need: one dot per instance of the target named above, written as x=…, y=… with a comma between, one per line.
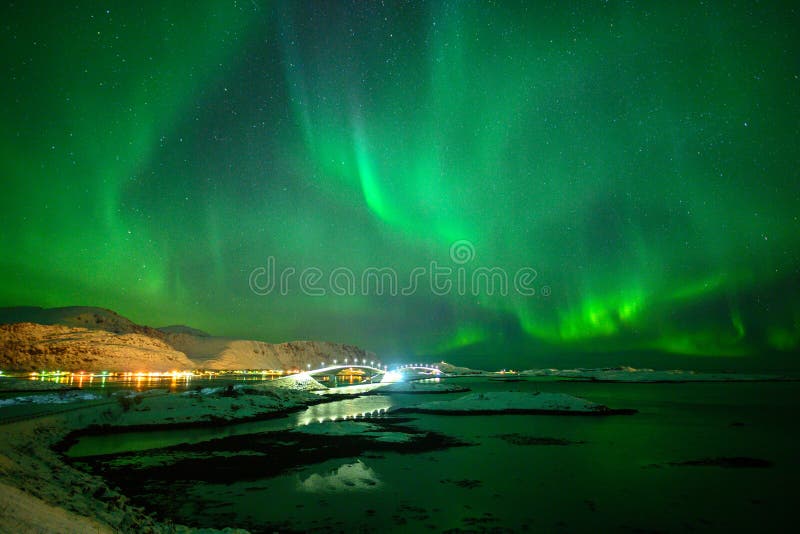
x=642, y=158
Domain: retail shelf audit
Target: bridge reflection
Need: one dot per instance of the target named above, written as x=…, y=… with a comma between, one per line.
x=354, y=409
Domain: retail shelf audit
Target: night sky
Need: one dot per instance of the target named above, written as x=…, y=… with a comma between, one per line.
x=642, y=158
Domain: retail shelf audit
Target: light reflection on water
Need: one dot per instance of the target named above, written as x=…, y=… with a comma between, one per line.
x=361, y=407
x=347, y=477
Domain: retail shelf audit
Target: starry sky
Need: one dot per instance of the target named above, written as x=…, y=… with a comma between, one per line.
x=638, y=161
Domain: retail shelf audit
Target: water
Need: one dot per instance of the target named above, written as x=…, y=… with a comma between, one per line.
x=181, y=382
x=20, y=404
x=614, y=473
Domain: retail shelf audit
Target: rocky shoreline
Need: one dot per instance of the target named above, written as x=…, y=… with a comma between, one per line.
x=47, y=493
x=52, y=494
x=106, y=492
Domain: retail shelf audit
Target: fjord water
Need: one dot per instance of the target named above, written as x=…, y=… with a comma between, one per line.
x=614, y=473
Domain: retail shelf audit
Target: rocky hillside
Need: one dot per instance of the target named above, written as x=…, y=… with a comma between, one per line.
x=295, y=354
x=34, y=347
x=79, y=316
x=183, y=329
x=96, y=339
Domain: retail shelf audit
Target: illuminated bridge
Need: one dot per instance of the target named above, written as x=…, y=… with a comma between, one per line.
x=413, y=371
x=369, y=373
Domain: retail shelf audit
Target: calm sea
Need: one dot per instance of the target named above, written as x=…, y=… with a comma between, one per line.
x=702, y=456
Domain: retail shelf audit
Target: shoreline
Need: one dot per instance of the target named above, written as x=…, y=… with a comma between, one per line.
x=43, y=489
x=95, y=430
x=50, y=494
x=71, y=499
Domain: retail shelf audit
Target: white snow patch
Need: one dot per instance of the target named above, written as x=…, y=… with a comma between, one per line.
x=509, y=400
x=170, y=408
x=632, y=374
x=50, y=398
x=297, y=382
x=421, y=386
x=354, y=428
x=332, y=428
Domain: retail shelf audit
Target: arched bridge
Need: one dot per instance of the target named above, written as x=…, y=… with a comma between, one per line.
x=370, y=373
x=412, y=372
x=346, y=374
x=340, y=367
x=418, y=367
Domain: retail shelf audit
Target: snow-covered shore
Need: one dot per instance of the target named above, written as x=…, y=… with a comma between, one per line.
x=419, y=386
x=39, y=492
x=510, y=402
x=62, y=397
x=631, y=374
x=354, y=428
x=158, y=408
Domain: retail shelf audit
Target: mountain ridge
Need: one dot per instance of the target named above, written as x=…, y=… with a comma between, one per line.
x=87, y=338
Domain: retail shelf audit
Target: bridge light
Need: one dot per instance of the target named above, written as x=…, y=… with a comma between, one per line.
x=392, y=376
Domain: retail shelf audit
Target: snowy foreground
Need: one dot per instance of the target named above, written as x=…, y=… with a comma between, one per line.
x=514, y=403
x=41, y=493
x=213, y=405
x=631, y=374
x=46, y=494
